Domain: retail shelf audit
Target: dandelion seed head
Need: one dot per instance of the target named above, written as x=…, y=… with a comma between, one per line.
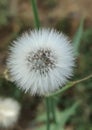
x=9, y=112
x=41, y=62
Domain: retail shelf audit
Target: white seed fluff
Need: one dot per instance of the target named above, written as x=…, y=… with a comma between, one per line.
x=9, y=112
x=41, y=61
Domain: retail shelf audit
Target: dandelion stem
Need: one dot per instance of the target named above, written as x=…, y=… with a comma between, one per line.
x=48, y=112
x=53, y=110
x=69, y=85
x=35, y=11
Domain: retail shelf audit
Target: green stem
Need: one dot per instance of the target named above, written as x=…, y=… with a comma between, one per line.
x=69, y=85
x=53, y=110
x=35, y=11
x=48, y=112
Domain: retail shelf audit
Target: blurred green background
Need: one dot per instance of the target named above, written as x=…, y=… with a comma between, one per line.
x=16, y=17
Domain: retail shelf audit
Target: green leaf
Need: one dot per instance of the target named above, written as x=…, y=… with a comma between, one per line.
x=66, y=114
x=41, y=117
x=78, y=36
x=43, y=127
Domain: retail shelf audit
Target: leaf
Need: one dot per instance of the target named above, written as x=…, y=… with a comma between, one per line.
x=41, y=117
x=43, y=127
x=66, y=114
x=78, y=36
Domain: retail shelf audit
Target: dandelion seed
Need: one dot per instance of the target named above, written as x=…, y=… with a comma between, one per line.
x=41, y=62
x=9, y=112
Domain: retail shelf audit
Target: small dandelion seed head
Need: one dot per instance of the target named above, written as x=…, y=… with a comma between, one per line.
x=41, y=62
x=9, y=112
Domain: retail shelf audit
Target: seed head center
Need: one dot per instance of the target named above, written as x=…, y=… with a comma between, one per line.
x=42, y=60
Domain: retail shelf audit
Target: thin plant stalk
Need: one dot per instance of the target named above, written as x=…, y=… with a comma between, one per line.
x=69, y=85
x=35, y=12
x=53, y=110
x=48, y=112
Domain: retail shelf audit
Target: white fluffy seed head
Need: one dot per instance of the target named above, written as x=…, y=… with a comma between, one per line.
x=42, y=61
x=9, y=112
